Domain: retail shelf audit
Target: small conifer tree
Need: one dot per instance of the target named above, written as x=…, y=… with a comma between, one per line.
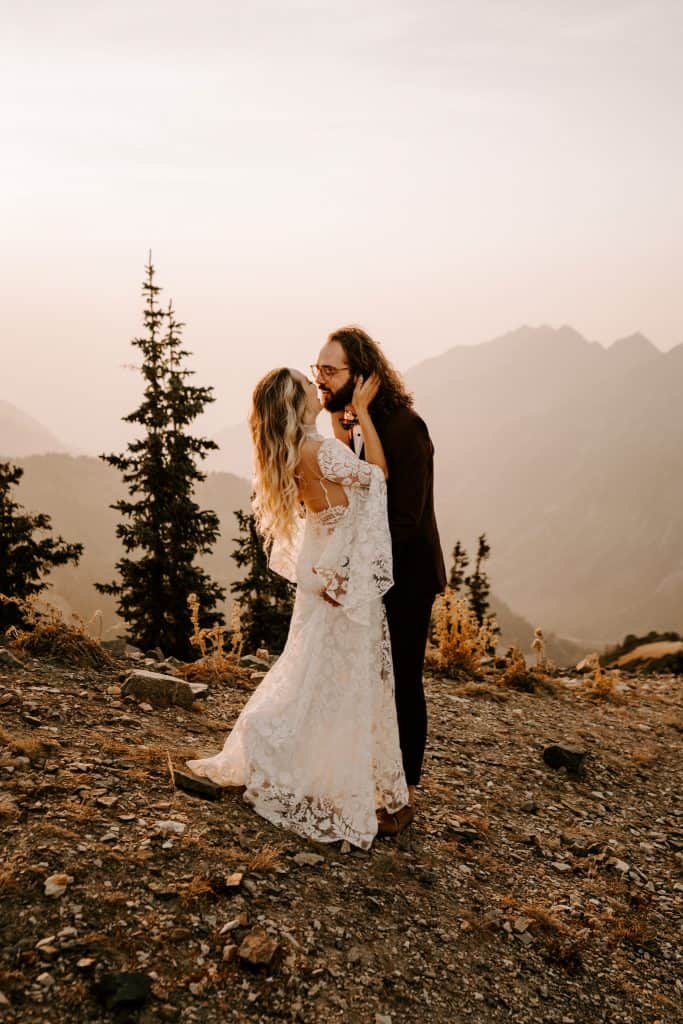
x=265, y=598
x=460, y=563
x=24, y=559
x=479, y=589
x=478, y=582
x=163, y=525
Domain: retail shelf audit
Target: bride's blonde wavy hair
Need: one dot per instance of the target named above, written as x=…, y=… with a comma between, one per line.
x=276, y=422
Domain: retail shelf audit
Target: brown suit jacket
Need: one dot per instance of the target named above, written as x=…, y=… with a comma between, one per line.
x=418, y=559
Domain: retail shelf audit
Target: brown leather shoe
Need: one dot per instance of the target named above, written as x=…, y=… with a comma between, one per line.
x=393, y=824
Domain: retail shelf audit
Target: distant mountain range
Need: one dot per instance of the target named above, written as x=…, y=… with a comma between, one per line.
x=569, y=456
x=234, y=451
x=21, y=434
x=566, y=453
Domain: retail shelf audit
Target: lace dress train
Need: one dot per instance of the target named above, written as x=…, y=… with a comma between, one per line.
x=316, y=746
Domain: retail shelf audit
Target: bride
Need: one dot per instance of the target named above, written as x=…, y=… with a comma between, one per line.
x=316, y=746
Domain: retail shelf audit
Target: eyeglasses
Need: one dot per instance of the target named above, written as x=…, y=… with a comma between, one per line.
x=326, y=371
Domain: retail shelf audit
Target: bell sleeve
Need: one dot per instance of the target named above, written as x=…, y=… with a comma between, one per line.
x=284, y=554
x=355, y=567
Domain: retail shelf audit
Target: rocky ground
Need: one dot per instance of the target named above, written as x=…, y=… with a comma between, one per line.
x=521, y=893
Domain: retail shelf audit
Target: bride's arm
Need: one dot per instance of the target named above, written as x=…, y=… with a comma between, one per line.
x=363, y=395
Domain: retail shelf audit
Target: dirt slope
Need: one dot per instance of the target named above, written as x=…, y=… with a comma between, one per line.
x=519, y=893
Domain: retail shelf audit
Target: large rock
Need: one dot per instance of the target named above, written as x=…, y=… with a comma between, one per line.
x=198, y=786
x=250, y=661
x=562, y=755
x=116, y=646
x=162, y=690
x=123, y=989
x=258, y=949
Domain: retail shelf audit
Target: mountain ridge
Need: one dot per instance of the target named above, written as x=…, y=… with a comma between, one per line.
x=565, y=471
x=22, y=434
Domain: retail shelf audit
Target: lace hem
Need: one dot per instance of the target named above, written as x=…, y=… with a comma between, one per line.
x=314, y=817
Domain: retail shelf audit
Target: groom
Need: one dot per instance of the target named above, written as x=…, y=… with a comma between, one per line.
x=419, y=572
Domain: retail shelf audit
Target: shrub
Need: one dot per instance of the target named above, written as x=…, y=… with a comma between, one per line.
x=461, y=645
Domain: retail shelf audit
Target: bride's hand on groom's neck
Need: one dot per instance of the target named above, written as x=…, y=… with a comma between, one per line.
x=338, y=428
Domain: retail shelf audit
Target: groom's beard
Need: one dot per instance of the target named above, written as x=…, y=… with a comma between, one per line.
x=335, y=401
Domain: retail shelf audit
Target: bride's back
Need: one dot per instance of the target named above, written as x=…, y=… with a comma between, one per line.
x=316, y=492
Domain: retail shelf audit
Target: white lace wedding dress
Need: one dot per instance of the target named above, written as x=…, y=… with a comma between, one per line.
x=316, y=745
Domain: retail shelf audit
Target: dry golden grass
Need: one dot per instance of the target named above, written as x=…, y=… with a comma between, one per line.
x=197, y=887
x=560, y=943
x=486, y=861
x=151, y=755
x=51, y=828
x=138, y=857
x=631, y=926
x=30, y=747
x=217, y=663
x=215, y=669
x=237, y=638
x=196, y=844
x=517, y=676
x=84, y=810
x=436, y=788
x=8, y=808
x=600, y=683
x=476, y=922
x=461, y=644
x=267, y=858
x=476, y=821
x=543, y=918
x=636, y=931
x=139, y=775
x=645, y=756
x=48, y=635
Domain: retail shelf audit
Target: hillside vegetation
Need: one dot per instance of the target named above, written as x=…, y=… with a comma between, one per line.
x=76, y=493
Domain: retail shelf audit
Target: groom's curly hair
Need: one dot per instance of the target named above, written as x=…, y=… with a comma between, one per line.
x=364, y=357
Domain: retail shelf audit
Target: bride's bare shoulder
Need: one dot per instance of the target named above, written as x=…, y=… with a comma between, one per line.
x=308, y=458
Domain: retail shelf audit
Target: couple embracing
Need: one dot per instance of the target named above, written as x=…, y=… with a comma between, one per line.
x=330, y=744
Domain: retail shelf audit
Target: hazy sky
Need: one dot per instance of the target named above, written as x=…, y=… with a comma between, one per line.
x=439, y=172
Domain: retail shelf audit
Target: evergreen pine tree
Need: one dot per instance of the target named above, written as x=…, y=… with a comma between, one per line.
x=478, y=583
x=162, y=523
x=265, y=598
x=460, y=563
x=25, y=560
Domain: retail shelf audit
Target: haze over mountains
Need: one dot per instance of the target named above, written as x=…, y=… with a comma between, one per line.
x=568, y=455
x=21, y=434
